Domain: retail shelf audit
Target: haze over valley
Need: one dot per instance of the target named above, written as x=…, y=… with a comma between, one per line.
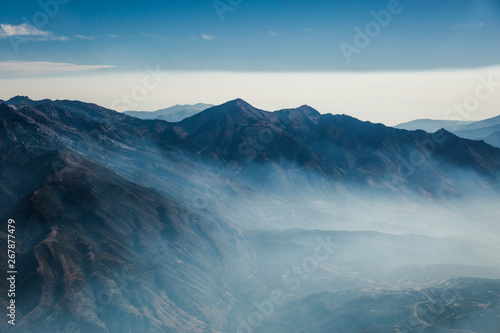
x=239, y=219
x=229, y=166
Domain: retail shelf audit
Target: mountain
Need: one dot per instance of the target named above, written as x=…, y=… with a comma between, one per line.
x=127, y=225
x=487, y=130
x=332, y=149
x=173, y=114
x=86, y=226
x=495, y=121
x=493, y=139
x=20, y=100
x=338, y=146
x=432, y=125
x=437, y=309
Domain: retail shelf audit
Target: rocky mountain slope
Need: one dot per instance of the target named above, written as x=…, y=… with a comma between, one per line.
x=129, y=225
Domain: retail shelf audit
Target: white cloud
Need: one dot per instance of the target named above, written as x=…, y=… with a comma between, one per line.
x=28, y=32
x=85, y=37
x=24, y=68
x=24, y=29
x=207, y=37
x=60, y=38
x=273, y=33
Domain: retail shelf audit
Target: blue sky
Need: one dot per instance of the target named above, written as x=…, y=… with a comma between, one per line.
x=258, y=35
x=105, y=47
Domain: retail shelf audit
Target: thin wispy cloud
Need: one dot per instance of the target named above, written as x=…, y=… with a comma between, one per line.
x=156, y=36
x=471, y=26
x=273, y=33
x=85, y=37
x=24, y=68
x=28, y=32
x=8, y=30
x=208, y=37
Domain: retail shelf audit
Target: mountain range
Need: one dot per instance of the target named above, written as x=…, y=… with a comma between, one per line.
x=487, y=130
x=240, y=219
x=172, y=114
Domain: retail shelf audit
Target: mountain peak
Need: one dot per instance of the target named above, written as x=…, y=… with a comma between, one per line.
x=237, y=107
x=20, y=100
x=442, y=130
x=237, y=102
x=235, y=112
x=307, y=110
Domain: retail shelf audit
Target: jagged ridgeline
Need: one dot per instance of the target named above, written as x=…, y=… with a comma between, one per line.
x=237, y=219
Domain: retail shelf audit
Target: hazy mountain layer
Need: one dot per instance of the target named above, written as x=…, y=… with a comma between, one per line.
x=487, y=130
x=172, y=114
x=128, y=225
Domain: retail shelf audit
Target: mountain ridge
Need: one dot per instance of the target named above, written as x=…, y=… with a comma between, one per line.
x=133, y=225
x=174, y=113
x=487, y=130
x=332, y=145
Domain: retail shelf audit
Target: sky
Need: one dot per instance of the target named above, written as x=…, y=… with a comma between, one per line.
x=364, y=58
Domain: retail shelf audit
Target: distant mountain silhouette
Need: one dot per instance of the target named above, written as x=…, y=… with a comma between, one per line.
x=132, y=225
x=172, y=114
x=487, y=130
x=432, y=125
